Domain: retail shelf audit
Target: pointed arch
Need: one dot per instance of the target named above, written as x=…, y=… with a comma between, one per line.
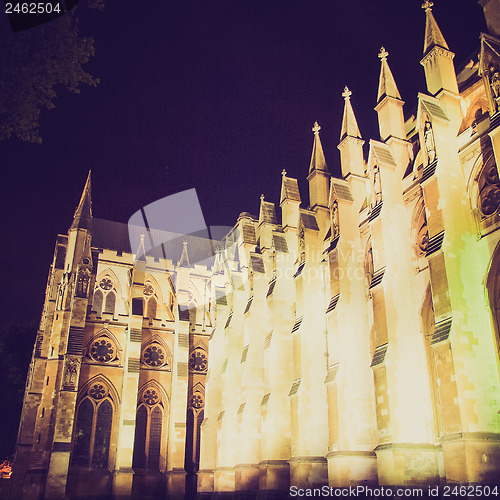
x=104, y=334
x=151, y=434
x=109, y=273
x=107, y=291
x=477, y=109
x=156, y=353
x=102, y=380
x=155, y=385
x=151, y=280
x=96, y=417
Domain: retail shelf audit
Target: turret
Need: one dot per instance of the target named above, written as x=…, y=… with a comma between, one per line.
x=389, y=103
x=351, y=144
x=289, y=202
x=438, y=59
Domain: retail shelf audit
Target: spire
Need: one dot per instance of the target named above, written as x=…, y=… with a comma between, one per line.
x=83, y=214
x=184, y=254
x=387, y=85
x=349, y=124
x=438, y=58
x=433, y=35
x=318, y=161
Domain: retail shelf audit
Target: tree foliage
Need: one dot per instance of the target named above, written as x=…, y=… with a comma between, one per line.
x=33, y=63
x=16, y=347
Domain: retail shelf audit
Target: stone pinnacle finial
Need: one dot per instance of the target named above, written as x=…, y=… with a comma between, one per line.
x=283, y=172
x=383, y=54
x=261, y=197
x=427, y=5
x=316, y=128
x=347, y=93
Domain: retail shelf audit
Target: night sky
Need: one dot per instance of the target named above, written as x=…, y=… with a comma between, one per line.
x=217, y=95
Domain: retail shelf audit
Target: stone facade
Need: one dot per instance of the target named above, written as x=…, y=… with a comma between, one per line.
x=353, y=342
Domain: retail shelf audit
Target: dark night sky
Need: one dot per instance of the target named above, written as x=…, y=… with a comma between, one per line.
x=218, y=95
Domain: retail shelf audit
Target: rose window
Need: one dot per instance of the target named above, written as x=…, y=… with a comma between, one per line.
x=153, y=356
x=98, y=391
x=196, y=401
x=102, y=350
x=148, y=290
x=489, y=196
x=106, y=284
x=150, y=397
x=198, y=361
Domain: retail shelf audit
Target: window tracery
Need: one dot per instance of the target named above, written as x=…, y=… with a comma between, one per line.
x=103, y=350
x=148, y=430
x=198, y=360
x=93, y=428
x=154, y=356
x=104, y=295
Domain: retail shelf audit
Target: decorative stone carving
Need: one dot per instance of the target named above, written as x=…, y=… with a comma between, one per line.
x=148, y=289
x=71, y=373
x=377, y=184
x=302, y=245
x=335, y=219
x=430, y=145
x=82, y=282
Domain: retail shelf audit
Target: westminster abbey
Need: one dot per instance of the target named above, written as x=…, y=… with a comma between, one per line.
x=354, y=340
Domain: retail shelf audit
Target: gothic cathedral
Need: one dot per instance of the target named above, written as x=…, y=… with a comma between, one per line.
x=352, y=342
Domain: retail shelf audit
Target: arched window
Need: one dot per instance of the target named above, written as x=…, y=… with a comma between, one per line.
x=148, y=431
x=93, y=428
x=104, y=294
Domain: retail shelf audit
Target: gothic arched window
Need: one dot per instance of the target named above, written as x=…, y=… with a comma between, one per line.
x=148, y=431
x=104, y=295
x=93, y=428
